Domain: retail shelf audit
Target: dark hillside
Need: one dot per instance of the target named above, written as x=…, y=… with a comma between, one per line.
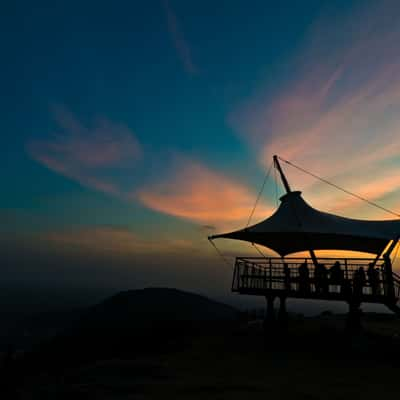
x=136, y=307
x=136, y=322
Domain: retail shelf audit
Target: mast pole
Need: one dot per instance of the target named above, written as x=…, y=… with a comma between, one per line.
x=288, y=190
x=283, y=177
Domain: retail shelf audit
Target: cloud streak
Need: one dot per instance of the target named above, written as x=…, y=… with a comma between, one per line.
x=87, y=154
x=197, y=193
x=338, y=117
x=180, y=43
x=95, y=157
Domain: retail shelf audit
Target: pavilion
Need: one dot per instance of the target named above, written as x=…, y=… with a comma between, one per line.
x=298, y=227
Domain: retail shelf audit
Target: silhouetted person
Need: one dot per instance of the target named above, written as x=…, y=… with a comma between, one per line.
x=359, y=280
x=321, y=279
x=379, y=280
x=336, y=275
x=363, y=278
x=373, y=279
x=286, y=274
x=388, y=277
x=304, y=278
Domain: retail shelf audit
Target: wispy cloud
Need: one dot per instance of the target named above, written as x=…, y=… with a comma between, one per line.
x=114, y=239
x=87, y=154
x=179, y=41
x=199, y=194
x=339, y=115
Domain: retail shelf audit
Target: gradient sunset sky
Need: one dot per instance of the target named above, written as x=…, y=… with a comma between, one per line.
x=131, y=130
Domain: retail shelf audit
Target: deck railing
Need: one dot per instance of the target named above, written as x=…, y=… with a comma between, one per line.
x=259, y=275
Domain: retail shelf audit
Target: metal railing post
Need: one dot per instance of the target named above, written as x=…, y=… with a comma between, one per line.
x=234, y=274
x=270, y=273
x=265, y=277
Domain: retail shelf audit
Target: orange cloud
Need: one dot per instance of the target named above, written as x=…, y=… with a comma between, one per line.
x=87, y=155
x=199, y=194
x=339, y=115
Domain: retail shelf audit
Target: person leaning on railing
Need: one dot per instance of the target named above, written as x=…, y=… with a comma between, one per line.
x=336, y=276
x=373, y=279
x=304, y=278
x=321, y=279
x=286, y=274
x=359, y=281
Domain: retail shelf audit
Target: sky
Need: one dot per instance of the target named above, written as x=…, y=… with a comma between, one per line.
x=131, y=130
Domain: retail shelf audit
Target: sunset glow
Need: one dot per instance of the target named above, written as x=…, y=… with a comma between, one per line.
x=144, y=130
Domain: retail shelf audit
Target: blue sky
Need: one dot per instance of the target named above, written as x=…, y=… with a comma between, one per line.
x=121, y=62
x=149, y=120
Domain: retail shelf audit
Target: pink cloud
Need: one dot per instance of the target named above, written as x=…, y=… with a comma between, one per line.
x=84, y=154
x=339, y=115
x=197, y=193
x=180, y=43
x=372, y=186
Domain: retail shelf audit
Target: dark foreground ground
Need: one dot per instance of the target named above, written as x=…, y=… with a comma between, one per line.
x=313, y=359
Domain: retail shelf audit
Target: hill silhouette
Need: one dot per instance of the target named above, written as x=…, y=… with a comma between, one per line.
x=156, y=304
x=134, y=322
x=167, y=343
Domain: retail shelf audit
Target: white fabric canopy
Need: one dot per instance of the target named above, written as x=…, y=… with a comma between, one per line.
x=296, y=226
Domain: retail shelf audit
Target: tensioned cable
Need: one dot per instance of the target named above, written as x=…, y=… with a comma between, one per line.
x=248, y=221
x=259, y=251
x=259, y=194
x=340, y=188
x=224, y=259
x=219, y=253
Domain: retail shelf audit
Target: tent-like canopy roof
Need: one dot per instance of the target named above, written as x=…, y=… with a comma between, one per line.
x=296, y=226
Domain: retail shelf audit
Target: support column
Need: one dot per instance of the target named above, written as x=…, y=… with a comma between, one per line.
x=282, y=314
x=388, y=273
x=354, y=317
x=269, y=318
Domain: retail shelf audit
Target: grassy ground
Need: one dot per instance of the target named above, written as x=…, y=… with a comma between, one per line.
x=314, y=359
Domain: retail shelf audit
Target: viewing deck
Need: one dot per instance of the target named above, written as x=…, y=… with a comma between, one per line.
x=299, y=278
